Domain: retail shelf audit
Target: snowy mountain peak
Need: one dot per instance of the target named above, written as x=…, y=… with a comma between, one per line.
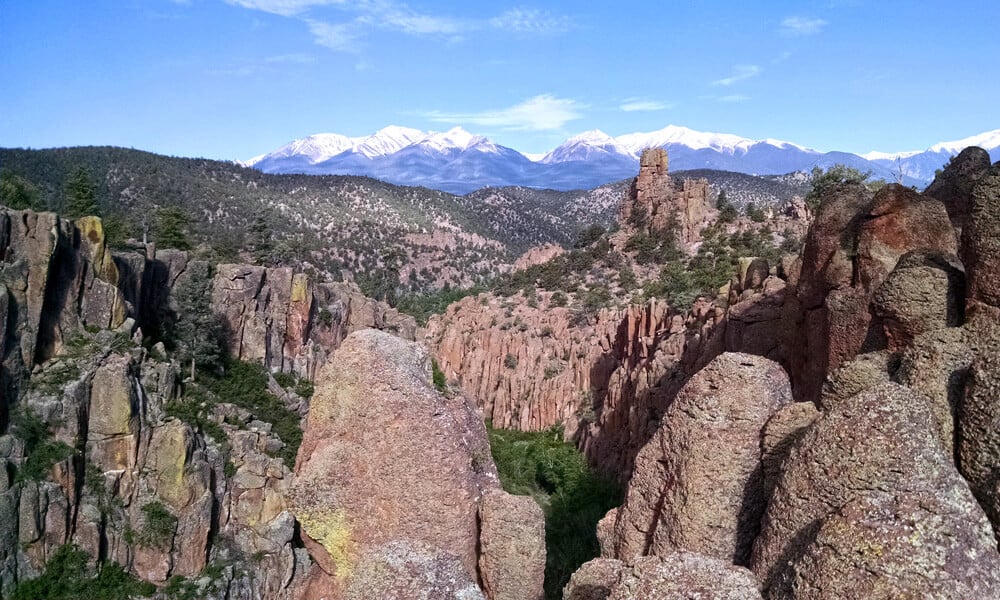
x=387, y=140
x=987, y=140
x=455, y=138
x=316, y=148
x=594, y=137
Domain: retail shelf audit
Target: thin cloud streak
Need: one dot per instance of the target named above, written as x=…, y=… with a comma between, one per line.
x=801, y=26
x=740, y=73
x=388, y=15
x=644, y=105
x=545, y=112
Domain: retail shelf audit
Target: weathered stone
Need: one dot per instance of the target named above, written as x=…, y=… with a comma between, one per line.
x=512, y=547
x=900, y=220
x=978, y=448
x=925, y=291
x=936, y=365
x=880, y=440
x=594, y=580
x=782, y=431
x=683, y=575
x=953, y=186
x=408, y=570
x=698, y=484
x=857, y=375
x=914, y=545
x=981, y=241
x=358, y=486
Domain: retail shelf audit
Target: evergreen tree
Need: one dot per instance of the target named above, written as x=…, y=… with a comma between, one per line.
x=261, y=239
x=196, y=332
x=727, y=212
x=172, y=224
x=17, y=192
x=81, y=197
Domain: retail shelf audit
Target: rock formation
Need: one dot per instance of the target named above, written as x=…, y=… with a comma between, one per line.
x=674, y=575
x=657, y=203
x=386, y=459
x=73, y=314
x=698, y=484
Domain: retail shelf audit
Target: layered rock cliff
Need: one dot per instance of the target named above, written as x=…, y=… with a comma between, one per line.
x=107, y=449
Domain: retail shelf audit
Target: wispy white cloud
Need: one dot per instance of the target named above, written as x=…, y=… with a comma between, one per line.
x=341, y=37
x=643, y=104
x=800, y=26
x=733, y=98
x=740, y=73
x=263, y=65
x=545, y=112
x=390, y=15
x=285, y=8
x=531, y=20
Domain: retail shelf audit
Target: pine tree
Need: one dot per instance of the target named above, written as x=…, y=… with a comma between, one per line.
x=172, y=224
x=81, y=197
x=17, y=192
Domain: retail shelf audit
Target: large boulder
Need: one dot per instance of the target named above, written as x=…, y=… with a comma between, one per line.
x=512, y=547
x=882, y=440
x=698, y=484
x=673, y=576
x=924, y=292
x=912, y=545
x=978, y=423
x=953, y=186
x=981, y=241
x=386, y=460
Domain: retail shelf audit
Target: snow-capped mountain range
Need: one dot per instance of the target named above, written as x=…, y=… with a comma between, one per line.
x=460, y=162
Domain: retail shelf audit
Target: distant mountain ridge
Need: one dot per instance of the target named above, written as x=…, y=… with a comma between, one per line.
x=459, y=162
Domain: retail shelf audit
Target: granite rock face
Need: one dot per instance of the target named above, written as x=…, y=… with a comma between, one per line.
x=656, y=202
x=953, y=186
x=674, y=576
x=881, y=440
x=387, y=459
x=698, y=485
x=981, y=241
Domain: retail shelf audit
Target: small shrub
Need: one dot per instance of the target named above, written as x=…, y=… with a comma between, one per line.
x=159, y=526
x=510, y=361
x=42, y=452
x=574, y=497
x=437, y=376
x=67, y=576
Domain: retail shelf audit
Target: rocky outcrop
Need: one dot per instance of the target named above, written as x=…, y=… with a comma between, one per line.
x=853, y=246
x=657, y=203
x=981, y=242
x=607, y=379
x=387, y=459
x=674, y=576
x=282, y=320
x=879, y=441
x=698, y=485
x=538, y=255
x=511, y=547
x=953, y=186
x=913, y=545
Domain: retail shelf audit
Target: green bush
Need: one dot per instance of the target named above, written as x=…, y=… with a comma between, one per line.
x=245, y=385
x=41, y=451
x=67, y=576
x=437, y=375
x=573, y=496
x=510, y=361
x=158, y=528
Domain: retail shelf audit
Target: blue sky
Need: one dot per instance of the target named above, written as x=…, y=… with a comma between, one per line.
x=234, y=78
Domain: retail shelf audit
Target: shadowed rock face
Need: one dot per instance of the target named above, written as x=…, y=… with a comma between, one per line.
x=882, y=440
x=386, y=459
x=698, y=484
x=953, y=186
x=912, y=545
x=981, y=241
